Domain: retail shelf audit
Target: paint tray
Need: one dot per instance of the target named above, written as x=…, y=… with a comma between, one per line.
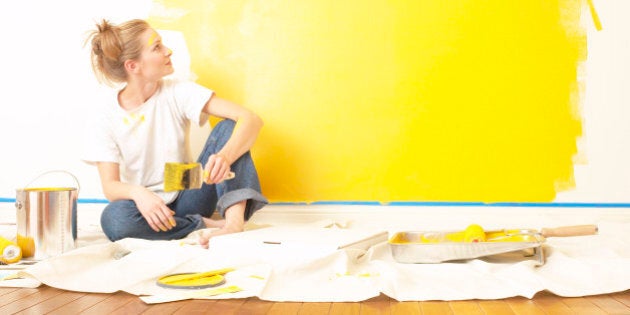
x=406, y=247
x=435, y=247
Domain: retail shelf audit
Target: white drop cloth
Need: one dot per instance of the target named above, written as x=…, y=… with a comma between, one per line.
x=575, y=266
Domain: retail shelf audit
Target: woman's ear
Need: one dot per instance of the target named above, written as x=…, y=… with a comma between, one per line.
x=131, y=66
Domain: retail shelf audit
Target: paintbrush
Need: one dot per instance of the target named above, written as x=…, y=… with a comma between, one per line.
x=181, y=176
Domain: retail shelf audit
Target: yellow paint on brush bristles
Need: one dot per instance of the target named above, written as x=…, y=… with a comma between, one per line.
x=180, y=176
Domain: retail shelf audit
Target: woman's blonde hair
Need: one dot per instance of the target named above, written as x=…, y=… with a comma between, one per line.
x=112, y=45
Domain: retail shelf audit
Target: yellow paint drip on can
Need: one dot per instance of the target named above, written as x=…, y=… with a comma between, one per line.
x=50, y=189
x=10, y=252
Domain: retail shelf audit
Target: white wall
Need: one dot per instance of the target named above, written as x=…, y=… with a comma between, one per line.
x=47, y=87
x=602, y=171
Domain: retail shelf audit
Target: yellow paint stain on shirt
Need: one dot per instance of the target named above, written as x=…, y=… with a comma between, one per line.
x=133, y=118
x=398, y=100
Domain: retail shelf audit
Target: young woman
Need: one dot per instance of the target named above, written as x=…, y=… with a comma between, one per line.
x=145, y=124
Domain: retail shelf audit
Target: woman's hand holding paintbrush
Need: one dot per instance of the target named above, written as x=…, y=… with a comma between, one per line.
x=217, y=169
x=182, y=176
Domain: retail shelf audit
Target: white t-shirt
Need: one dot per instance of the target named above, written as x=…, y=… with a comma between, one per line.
x=142, y=140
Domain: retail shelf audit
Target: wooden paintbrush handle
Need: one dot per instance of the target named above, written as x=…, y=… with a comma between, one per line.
x=206, y=174
x=574, y=230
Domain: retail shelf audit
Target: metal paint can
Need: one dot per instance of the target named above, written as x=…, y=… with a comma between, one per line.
x=46, y=220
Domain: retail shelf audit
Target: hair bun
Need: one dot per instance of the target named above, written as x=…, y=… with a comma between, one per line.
x=106, y=41
x=112, y=45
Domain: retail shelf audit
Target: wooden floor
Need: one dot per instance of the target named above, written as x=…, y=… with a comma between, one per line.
x=47, y=300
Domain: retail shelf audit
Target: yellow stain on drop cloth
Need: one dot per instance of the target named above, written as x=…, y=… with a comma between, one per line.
x=398, y=100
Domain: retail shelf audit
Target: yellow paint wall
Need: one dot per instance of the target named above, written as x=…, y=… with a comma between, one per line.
x=384, y=101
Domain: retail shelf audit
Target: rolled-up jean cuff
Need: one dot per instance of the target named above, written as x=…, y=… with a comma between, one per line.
x=255, y=201
x=197, y=218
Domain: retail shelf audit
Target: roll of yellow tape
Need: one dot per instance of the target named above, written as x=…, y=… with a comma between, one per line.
x=9, y=251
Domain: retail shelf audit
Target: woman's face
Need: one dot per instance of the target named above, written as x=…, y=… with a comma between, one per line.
x=155, y=60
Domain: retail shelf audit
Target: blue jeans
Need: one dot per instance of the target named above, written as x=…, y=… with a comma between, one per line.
x=121, y=219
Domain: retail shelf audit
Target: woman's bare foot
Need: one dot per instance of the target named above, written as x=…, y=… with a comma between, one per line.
x=234, y=222
x=206, y=235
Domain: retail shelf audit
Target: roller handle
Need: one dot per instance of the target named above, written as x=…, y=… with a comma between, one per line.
x=573, y=230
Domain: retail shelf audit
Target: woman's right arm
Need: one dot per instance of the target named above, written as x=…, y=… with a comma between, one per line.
x=113, y=188
x=151, y=206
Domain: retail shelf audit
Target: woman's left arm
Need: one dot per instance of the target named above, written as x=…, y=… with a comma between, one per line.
x=246, y=130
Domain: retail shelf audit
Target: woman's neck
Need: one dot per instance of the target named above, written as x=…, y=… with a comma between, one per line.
x=135, y=94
